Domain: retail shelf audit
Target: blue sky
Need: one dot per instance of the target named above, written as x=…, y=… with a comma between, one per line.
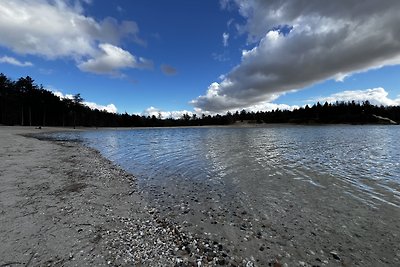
x=204, y=56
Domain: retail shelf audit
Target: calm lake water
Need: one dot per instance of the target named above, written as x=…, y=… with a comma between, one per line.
x=363, y=160
x=314, y=194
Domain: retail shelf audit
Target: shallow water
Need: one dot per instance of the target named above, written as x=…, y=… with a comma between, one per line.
x=293, y=194
x=363, y=160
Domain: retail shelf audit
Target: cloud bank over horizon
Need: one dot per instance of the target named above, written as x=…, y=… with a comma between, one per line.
x=60, y=29
x=158, y=113
x=111, y=108
x=303, y=42
x=376, y=96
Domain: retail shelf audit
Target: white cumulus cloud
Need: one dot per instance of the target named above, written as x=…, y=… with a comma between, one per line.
x=112, y=58
x=268, y=106
x=152, y=111
x=376, y=96
x=62, y=96
x=302, y=42
x=59, y=29
x=111, y=108
x=15, y=62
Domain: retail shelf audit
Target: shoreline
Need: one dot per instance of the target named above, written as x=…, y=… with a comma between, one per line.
x=64, y=204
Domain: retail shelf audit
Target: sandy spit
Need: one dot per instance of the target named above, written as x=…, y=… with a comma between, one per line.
x=62, y=204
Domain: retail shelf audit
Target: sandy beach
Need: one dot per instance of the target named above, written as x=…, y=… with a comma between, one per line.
x=62, y=204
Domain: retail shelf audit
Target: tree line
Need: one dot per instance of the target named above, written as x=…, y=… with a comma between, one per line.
x=23, y=102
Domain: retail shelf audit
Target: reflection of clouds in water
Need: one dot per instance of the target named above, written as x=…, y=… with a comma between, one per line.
x=111, y=140
x=359, y=160
x=214, y=149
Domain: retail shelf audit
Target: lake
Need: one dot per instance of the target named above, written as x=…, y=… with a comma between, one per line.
x=312, y=192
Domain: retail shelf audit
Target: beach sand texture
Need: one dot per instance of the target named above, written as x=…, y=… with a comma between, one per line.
x=62, y=204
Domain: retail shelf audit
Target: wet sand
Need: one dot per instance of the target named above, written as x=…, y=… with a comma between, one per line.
x=62, y=204
x=297, y=225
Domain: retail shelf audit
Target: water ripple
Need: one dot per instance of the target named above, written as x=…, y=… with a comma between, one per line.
x=362, y=160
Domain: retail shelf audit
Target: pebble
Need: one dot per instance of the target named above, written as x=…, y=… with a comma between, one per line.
x=139, y=242
x=335, y=255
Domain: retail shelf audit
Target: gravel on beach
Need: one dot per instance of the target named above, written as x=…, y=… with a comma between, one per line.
x=62, y=204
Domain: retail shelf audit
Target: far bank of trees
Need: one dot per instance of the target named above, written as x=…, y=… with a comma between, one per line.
x=23, y=102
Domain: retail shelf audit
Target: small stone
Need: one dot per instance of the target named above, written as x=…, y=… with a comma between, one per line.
x=221, y=262
x=335, y=255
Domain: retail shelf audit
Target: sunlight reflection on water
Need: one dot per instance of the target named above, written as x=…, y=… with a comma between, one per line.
x=362, y=160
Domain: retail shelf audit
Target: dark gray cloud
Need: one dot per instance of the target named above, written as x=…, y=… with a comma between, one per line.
x=168, y=70
x=329, y=40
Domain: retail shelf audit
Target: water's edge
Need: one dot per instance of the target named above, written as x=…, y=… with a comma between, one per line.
x=312, y=216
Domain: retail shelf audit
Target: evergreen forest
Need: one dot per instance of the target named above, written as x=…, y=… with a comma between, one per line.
x=23, y=102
